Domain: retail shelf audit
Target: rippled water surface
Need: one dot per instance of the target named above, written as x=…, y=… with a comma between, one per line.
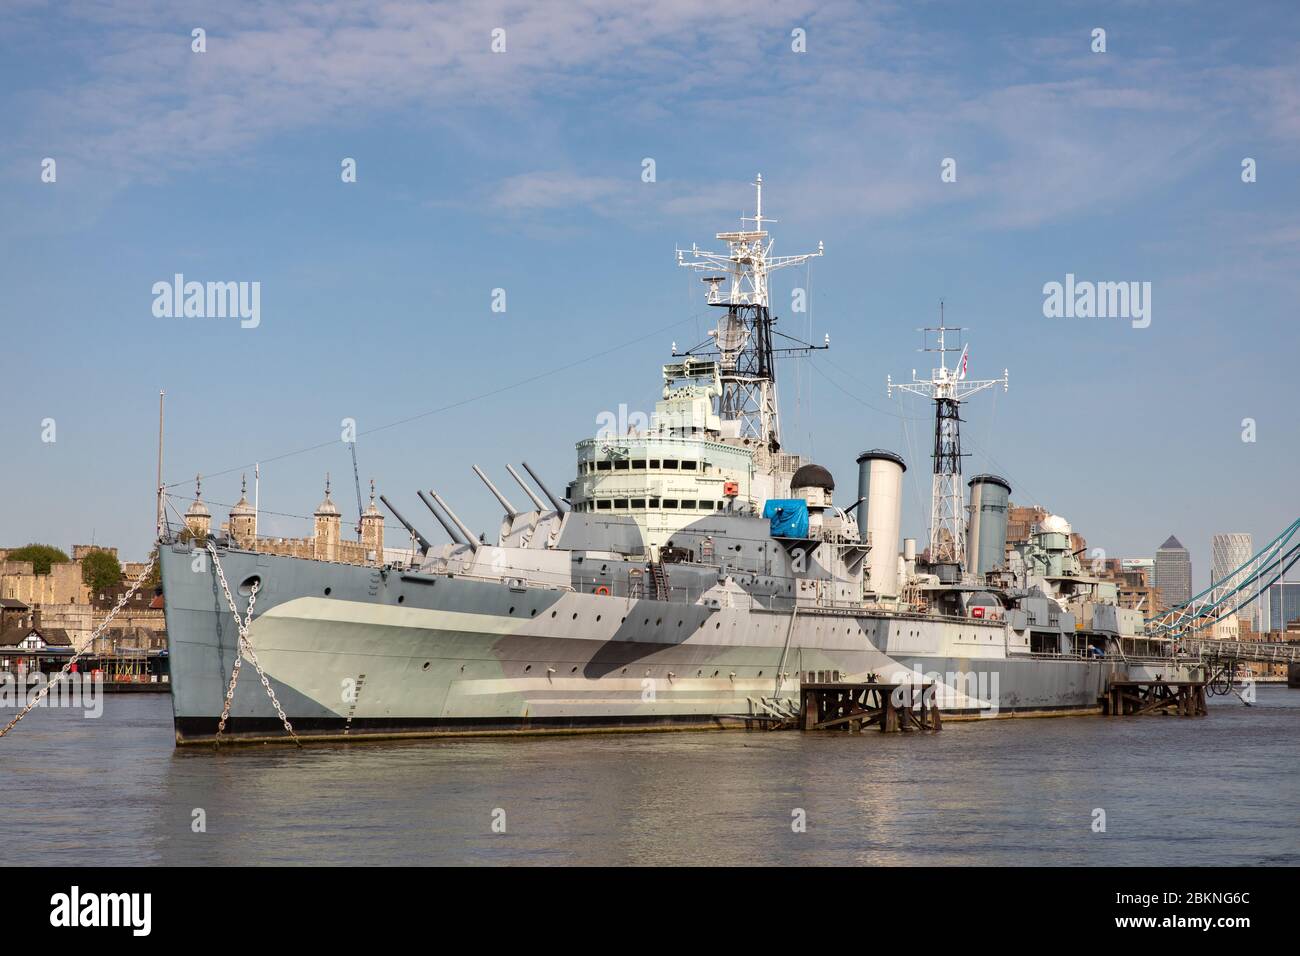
x=1224, y=789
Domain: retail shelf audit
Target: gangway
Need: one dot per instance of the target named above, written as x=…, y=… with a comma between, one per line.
x=1252, y=652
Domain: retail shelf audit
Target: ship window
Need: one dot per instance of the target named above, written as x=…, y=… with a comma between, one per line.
x=638, y=502
x=603, y=504
x=638, y=463
x=688, y=503
x=670, y=502
x=690, y=465
x=604, y=465
x=654, y=502
x=721, y=505
x=620, y=503
x=654, y=462
x=670, y=462
x=622, y=465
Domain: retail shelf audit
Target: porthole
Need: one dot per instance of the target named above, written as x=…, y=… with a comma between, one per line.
x=527, y=668
x=426, y=666
x=575, y=615
x=401, y=599
x=512, y=610
x=327, y=592
x=597, y=617
x=574, y=670
x=533, y=612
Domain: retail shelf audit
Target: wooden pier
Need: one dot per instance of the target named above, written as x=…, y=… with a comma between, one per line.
x=891, y=708
x=1137, y=698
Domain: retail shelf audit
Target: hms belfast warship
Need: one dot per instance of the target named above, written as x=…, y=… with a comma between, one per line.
x=693, y=574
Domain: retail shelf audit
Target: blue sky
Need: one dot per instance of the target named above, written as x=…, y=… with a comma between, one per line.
x=522, y=170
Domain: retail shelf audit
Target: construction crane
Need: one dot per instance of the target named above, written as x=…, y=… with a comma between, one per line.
x=356, y=476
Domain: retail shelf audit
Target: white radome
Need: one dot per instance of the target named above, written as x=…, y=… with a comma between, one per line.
x=1055, y=524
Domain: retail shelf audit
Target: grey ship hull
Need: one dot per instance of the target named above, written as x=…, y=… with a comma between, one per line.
x=361, y=652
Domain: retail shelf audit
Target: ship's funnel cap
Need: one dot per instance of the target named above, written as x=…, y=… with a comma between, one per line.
x=990, y=480
x=884, y=454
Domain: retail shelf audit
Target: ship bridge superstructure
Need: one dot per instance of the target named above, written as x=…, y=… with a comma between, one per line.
x=676, y=470
x=712, y=444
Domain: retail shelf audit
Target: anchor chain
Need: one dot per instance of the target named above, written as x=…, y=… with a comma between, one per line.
x=94, y=635
x=239, y=659
x=245, y=649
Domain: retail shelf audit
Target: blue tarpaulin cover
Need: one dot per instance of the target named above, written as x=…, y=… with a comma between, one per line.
x=789, y=517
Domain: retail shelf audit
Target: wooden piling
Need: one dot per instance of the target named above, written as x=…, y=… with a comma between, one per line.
x=891, y=708
x=1138, y=698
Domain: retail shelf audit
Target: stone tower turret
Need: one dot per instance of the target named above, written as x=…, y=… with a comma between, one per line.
x=243, y=518
x=328, y=522
x=198, y=519
x=372, y=530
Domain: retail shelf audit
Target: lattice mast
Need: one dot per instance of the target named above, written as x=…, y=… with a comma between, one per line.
x=743, y=337
x=947, y=388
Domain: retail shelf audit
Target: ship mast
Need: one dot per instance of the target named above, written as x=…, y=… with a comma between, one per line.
x=948, y=388
x=743, y=337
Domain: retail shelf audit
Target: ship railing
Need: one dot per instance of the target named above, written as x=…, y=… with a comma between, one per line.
x=1069, y=656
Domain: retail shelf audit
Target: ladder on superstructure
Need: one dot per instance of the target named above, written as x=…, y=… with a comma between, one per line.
x=659, y=574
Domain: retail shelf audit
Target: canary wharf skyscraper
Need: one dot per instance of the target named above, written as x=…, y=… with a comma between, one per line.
x=1228, y=552
x=1174, y=572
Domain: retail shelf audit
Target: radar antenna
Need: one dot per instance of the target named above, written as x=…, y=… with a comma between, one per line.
x=948, y=388
x=743, y=337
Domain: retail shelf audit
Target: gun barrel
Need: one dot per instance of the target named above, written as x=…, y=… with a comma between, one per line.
x=541, y=506
x=505, y=502
x=424, y=542
x=470, y=540
x=451, y=531
x=559, y=505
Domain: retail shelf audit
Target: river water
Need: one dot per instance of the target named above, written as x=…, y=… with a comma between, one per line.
x=1224, y=789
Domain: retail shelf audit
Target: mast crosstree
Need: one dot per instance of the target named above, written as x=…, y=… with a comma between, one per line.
x=947, y=388
x=743, y=338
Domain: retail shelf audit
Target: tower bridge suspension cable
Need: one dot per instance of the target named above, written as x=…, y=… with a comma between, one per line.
x=1235, y=591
